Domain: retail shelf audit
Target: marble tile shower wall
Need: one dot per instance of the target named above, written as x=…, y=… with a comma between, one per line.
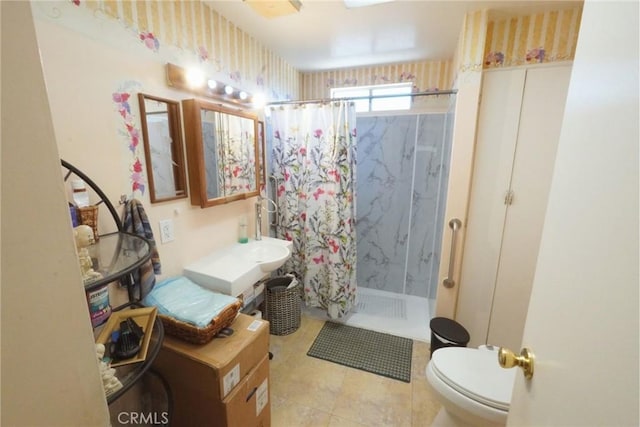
x=401, y=188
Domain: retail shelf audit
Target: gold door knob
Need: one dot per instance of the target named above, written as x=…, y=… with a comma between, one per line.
x=508, y=359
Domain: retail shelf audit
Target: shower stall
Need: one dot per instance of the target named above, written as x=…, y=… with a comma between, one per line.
x=402, y=175
x=401, y=185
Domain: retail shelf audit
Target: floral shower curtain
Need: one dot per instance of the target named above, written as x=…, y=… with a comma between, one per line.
x=314, y=164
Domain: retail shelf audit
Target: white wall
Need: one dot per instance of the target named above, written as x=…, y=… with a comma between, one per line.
x=459, y=186
x=81, y=75
x=49, y=367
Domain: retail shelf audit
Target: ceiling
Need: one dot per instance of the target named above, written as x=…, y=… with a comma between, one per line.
x=324, y=34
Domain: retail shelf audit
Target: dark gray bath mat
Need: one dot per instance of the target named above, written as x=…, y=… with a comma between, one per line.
x=370, y=351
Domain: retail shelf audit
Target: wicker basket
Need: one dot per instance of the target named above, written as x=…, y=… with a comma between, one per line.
x=282, y=305
x=89, y=216
x=193, y=334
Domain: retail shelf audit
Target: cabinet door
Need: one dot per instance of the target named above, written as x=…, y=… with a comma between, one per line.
x=495, y=148
x=545, y=92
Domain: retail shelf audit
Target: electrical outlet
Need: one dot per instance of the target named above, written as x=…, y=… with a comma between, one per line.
x=166, y=231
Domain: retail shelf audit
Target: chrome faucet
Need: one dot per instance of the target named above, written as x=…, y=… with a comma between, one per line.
x=259, y=218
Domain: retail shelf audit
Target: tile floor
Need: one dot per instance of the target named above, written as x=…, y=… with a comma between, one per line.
x=306, y=391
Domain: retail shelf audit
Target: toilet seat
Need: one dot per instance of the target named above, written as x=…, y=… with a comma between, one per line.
x=476, y=374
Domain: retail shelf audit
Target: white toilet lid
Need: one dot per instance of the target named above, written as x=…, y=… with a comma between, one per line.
x=476, y=374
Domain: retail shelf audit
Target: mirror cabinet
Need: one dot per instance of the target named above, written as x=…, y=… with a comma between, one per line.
x=222, y=152
x=163, y=149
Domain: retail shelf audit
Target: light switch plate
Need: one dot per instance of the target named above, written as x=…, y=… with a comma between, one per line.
x=166, y=231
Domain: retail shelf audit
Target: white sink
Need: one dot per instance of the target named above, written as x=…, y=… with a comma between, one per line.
x=267, y=254
x=234, y=269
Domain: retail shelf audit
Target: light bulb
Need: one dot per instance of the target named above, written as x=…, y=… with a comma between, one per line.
x=228, y=90
x=258, y=100
x=195, y=77
x=243, y=95
x=212, y=84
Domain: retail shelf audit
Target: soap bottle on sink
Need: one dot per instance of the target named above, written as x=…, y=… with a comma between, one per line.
x=243, y=237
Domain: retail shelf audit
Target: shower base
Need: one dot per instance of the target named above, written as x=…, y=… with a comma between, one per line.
x=401, y=315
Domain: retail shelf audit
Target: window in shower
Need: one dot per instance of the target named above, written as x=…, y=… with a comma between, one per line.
x=378, y=97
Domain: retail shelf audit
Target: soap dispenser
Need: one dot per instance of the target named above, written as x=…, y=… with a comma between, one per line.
x=242, y=232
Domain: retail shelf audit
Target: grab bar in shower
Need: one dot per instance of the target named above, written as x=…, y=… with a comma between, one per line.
x=274, y=192
x=454, y=225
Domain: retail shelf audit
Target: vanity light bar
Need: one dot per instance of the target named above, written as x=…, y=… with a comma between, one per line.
x=194, y=80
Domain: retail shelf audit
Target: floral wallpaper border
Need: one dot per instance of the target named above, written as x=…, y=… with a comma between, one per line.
x=183, y=32
x=130, y=133
x=425, y=76
x=534, y=39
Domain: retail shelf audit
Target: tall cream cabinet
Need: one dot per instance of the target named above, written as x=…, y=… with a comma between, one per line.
x=520, y=117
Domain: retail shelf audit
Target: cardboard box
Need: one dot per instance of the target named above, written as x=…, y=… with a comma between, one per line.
x=248, y=405
x=201, y=376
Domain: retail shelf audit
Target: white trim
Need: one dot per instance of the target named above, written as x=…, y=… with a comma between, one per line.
x=528, y=66
x=341, y=92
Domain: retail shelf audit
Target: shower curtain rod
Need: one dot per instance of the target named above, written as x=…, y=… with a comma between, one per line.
x=355, y=98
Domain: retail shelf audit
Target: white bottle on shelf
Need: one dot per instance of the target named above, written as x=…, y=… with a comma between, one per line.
x=80, y=193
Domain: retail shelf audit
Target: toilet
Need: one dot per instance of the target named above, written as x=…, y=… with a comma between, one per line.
x=472, y=387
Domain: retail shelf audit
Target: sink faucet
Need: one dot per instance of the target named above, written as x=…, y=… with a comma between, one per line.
x=259, y=218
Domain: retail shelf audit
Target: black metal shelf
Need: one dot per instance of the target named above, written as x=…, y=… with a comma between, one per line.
x=115, y=256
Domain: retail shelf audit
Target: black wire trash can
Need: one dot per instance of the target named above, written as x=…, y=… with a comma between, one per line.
x=283, y=305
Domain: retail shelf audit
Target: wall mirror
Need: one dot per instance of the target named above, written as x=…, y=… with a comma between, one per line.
x=163, y=149
x=222, y=151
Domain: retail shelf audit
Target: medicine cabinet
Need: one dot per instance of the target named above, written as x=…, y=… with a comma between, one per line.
x=222, y=153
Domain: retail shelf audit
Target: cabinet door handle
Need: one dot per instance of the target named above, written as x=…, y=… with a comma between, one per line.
x=508, y=197
x=454, y=225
